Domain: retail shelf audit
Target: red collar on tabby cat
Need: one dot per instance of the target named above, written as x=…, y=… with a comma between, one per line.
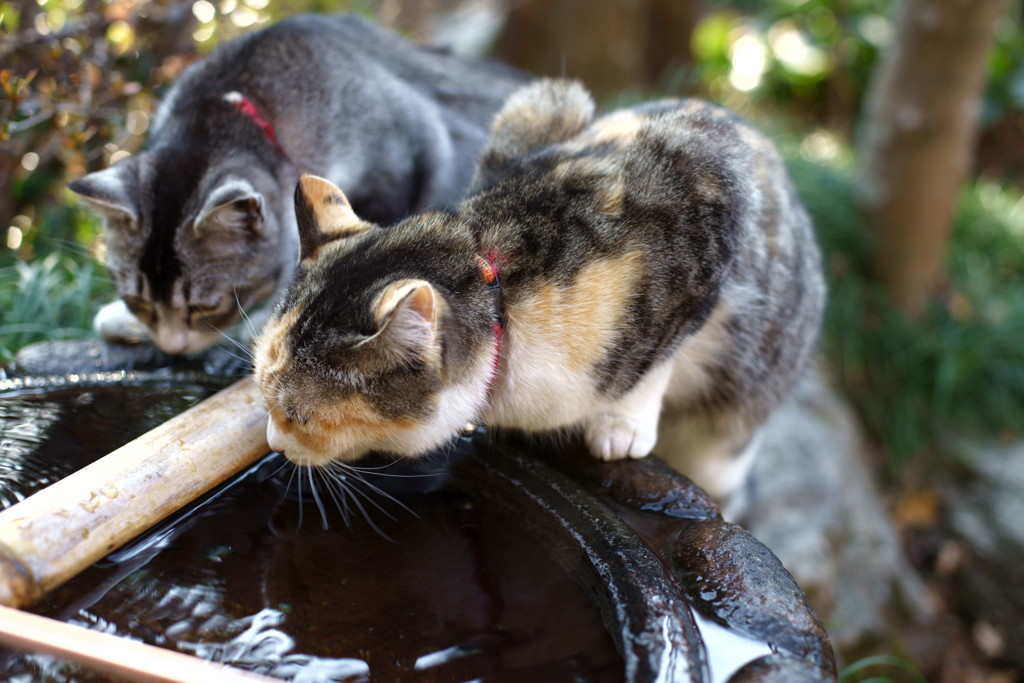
x=658, y=273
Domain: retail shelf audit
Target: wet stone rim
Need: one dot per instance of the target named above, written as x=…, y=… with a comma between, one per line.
x=595, y=518
x=643, y=581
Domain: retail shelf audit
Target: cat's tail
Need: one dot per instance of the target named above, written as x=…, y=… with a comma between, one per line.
x=543, y=113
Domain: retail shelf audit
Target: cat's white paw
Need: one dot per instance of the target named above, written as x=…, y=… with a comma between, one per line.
x=115, y=324
x=614, y=437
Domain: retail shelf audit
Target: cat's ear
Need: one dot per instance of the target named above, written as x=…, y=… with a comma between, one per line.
x=232, y=206
x=111, y=193
x=323, y=214
x=407, y=318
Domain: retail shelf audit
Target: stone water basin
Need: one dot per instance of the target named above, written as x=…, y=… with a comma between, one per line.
x=525, y=564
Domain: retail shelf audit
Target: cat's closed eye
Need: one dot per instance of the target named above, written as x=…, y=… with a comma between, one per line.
x=199, y=310
x=290, y=414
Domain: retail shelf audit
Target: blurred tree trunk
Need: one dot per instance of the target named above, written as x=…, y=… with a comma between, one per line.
x=670, y=24
x=610, y=45
x=917, y=138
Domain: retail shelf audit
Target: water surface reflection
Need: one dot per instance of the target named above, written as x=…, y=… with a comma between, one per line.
x=450, y=589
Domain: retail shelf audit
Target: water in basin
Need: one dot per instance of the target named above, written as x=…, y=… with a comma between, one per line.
x=442, y=587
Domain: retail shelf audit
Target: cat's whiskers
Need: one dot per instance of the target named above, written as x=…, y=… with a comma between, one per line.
x=245, y=317
x=287, y=486
x=275, y=404
x=357, y=475
x=284, y=463
x=346, y=486
x=244, y=348
x=375, y=471
x=335, y=489
x=316, y=497
x=242, y=359
x=271, y=410
x=273, y=391
x=299, y=480
x=366, y=514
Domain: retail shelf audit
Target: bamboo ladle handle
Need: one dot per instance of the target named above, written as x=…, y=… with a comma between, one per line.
x=54, y=534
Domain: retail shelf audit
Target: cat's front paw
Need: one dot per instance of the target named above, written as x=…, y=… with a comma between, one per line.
x=115, y=324
x=613, y=437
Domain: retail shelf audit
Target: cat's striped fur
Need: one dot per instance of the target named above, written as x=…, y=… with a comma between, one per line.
x=655, y=265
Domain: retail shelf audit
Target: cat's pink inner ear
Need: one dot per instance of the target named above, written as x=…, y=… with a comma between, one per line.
x=107, y=193
x=407, y=298
x=421, y=301
x=407, y=314
x=243, y=213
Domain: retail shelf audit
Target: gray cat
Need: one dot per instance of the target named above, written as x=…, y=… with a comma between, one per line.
x=646, y=276
x=201, y=223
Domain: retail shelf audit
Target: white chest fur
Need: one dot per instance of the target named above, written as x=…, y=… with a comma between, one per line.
x=534, y=389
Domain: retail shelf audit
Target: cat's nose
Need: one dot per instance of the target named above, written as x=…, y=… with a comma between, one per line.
x=171, y=341
x=175, y=340
x=293, y=450
x=274, y=437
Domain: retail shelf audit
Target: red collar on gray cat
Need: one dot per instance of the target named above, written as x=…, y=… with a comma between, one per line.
x=246, y=107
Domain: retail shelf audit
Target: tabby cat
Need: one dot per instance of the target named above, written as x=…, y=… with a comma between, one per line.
x=652, y=265
x=197, y=226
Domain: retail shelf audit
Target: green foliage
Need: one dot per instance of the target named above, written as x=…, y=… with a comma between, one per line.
x=1006, y=69
x=49, y=298
x=809, y=57
x=960, y=368
x=880, y=669
x=220, y=21
x=814, y=58
x=78, y=79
